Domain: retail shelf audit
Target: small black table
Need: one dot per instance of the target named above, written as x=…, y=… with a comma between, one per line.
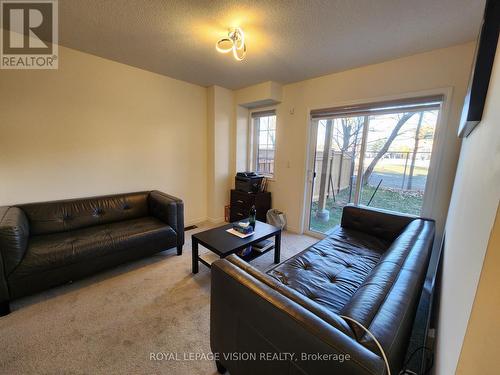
x=223, y=243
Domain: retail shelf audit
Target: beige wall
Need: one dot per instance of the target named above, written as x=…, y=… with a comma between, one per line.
x=259, y=95
x=440, y=69
x=220, y=144
x=241, y=139
x=480, y=349
x=123, y=129
x=473, y=206
x=98, y=127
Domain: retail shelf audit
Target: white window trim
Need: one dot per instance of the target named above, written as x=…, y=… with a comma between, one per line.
x=252, y=145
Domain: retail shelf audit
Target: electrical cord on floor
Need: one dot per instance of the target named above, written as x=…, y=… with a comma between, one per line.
x=429, y=367
x=384, y=357
x=374, y=339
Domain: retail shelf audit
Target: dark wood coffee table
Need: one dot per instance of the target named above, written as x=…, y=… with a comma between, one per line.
x=223, y=243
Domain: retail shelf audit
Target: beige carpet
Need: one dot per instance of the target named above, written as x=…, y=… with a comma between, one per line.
x=111, y=322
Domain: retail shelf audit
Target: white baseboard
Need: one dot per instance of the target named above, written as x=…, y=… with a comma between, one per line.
x=216, y=220
x=195, y=221
x=293, y=230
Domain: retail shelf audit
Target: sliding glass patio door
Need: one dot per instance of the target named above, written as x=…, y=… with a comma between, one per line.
x=336, y=165
x=376, y=155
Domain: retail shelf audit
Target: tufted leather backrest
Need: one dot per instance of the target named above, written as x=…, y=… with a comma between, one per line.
x=383, y=224
x=71, y=214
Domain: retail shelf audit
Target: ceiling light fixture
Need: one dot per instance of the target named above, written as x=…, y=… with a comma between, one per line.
x=235, y=42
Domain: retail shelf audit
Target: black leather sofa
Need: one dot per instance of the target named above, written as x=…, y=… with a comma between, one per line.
x=309, y=310
x=50, y=243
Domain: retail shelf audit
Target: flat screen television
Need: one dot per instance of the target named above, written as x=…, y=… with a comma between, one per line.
x=481, y=69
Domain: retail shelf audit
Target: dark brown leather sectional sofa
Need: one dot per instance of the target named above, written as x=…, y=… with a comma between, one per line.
x=50, y=243
x=371, y=269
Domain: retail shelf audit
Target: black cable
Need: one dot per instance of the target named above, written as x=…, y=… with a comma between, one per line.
x=404, y=370
x=428, y=369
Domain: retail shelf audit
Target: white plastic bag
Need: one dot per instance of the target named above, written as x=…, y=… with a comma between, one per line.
x=277, y=218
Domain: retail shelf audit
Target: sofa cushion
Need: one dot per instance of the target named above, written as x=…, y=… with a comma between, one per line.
x=330, y=271
x=57, y=250
x=71, y=214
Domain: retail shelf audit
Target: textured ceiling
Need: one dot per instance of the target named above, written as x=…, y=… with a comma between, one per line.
x=287, y=40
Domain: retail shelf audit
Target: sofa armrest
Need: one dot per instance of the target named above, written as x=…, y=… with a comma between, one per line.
x=170, y=210
x=249, y=317
x=380, y=223
x=14, y=235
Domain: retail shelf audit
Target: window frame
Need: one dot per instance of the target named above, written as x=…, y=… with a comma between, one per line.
x=369, y=110
x=254, y=117
x=432, y=206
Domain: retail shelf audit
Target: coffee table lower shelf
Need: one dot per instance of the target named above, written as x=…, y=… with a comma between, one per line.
x=223, y=244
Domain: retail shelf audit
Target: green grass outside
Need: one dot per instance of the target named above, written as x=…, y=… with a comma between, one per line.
x=400, y=201
x=399, y=169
